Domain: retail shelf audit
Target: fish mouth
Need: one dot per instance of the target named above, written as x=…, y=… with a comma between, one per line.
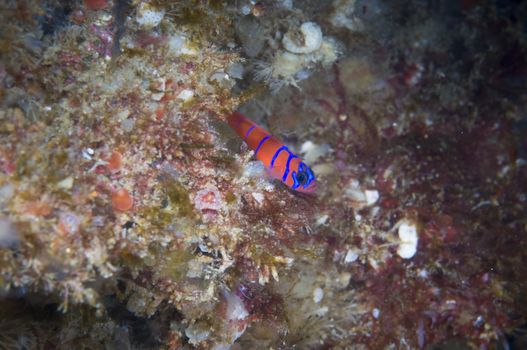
x=312, y=188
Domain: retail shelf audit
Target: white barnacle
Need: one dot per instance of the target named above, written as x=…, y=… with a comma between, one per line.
x=306, y=39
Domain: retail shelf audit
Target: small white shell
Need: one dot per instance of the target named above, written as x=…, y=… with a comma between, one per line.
x=310, y=40
x=408, y=239
x=351, y=256
x=65, y=184
x=185, y=95
x=318, y=295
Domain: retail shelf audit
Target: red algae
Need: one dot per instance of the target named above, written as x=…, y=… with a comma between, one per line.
x=95, y=4
x=114, y=161
x=38, y=208
x=122, y=200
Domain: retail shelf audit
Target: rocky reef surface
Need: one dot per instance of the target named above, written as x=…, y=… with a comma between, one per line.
x=132, y=217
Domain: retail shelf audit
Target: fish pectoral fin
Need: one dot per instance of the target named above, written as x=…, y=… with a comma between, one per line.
x=273, y=173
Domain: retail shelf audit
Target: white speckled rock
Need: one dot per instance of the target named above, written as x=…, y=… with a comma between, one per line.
x=149, y=16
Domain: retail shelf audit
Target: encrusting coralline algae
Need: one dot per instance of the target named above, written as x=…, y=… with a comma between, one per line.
x=132, y=216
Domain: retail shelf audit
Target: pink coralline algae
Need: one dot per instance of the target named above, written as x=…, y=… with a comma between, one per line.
x=208, y=199
x=103, y=40
x=68, y=223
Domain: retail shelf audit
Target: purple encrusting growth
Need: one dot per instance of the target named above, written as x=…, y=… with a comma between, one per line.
x=132, y=217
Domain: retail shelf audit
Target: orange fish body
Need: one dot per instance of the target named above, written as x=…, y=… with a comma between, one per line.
x=277, y=158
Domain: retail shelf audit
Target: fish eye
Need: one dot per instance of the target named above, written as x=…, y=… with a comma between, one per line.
x=301, y=178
